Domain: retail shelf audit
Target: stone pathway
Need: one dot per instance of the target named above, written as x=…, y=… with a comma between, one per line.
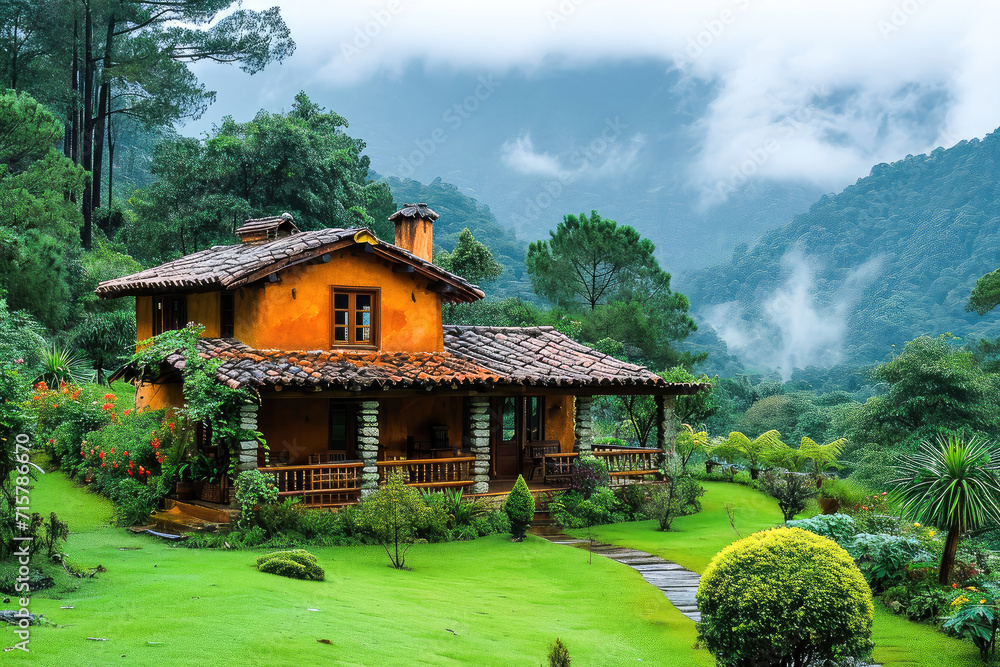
x=678, y=584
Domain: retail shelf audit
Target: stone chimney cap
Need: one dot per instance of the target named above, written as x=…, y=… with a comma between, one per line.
x=414, y=211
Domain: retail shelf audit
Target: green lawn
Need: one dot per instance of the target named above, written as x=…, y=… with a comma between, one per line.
x=695, y=539
x=488, y=602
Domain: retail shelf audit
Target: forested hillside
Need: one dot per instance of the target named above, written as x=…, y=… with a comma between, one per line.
x=890, y=258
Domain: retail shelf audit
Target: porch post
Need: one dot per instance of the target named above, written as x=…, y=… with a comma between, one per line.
x=584, y=428
x=248, y=448
x=479, y=443
x=368, y=445
x=666, y=428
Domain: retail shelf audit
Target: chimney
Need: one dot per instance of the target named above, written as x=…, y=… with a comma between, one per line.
x=414, y=229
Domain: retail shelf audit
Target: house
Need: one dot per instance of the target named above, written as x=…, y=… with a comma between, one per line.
x=340, y=337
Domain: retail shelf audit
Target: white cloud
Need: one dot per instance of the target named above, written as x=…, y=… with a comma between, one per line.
x=831, y=87
x=602, y=157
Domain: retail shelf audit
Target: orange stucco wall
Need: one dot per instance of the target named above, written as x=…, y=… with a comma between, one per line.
x=143, y=318
x=203, y=309
x=559, y=421
x=299, y=426
x=159, y=395
x=272, y=317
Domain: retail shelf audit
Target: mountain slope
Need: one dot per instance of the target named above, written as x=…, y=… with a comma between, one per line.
x=891, y=257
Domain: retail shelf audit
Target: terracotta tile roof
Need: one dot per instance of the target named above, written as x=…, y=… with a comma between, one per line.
x=543, y=356
x=353, y=370
x=420, y=210
x=474, y=357
x=232, y=266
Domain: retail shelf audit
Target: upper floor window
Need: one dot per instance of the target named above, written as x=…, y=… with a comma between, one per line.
x=355, y=317
x=227, y=315
x=169, y=313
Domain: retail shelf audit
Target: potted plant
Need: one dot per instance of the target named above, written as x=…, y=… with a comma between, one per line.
x=211, y=477
x=185, y=488
x=828, y=501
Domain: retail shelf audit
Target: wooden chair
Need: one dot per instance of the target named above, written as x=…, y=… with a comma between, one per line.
x=330, y=456
x=537, y=452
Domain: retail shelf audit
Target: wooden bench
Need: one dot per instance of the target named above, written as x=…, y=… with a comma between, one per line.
x=537, y=452
x=558, y=468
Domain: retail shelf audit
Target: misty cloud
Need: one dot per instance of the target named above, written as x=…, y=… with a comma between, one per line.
x=796, y=331
x=814, y=92
x=601, y=157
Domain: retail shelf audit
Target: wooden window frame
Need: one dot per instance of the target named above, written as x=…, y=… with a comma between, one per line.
x=227, y=315
x=160, y=302
x=352, y=342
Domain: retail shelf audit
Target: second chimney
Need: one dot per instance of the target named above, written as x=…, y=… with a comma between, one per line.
x=415, y=229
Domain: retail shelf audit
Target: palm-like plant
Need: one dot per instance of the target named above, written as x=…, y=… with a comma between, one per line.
x=60, y=364
x=954, y=484
x=754, y=452
x=820, y=458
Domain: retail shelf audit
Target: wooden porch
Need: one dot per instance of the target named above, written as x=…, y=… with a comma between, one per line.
x=337, y=483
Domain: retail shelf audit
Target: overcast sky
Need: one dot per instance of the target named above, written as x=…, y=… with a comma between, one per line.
x=680, y=103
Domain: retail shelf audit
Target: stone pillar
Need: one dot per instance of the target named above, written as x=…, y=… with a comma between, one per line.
x=584, y=426
x=479, y=443
x=666, y=426
x=368, y=445
x=248, y=448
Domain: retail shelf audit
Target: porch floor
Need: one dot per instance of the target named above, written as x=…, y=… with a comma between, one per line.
x=504, y=485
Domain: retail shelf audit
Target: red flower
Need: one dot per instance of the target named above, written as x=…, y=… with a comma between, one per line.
x=51, y=441
x=103, y=464
x=112, y=450
x=109, y=397
x=954, y=585
x=75, y=394
x=171, y=427
x=36, y=398
x=127, y=412
x=129, y=472
x=116, y=464
x=125, y=453
x=91, y=452
x=108, y=406
x=142, y=471
x=885, y=493
x=101, y=455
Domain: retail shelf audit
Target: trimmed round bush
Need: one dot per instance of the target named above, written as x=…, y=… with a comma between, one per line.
x=295, y=564
x=784, y=595
x=520, y=509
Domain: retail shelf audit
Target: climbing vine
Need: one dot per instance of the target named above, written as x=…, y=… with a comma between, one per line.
x=206, y=399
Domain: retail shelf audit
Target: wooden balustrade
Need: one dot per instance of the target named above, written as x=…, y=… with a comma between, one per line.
x=326, y=485
x=630, y=462
x=431, y=473
x=558, y=467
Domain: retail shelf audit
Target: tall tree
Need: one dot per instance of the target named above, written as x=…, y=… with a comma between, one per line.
x=470, y=259
x=301, y=162
x=606, y=277
x=129, y=57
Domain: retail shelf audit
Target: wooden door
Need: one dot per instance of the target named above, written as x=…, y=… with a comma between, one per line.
x=508, y=434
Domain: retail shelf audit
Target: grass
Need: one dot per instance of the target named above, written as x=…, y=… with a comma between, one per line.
x=695, y=539
x=488, y=602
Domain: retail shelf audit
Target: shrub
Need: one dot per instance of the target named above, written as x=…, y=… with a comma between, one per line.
x=792, y=490
x=883, y=558
x=391, y=516
x=559, y=655
x=296, y=564
x=678, y=496
x=808, y=603
x=253, y=488
x=589, y=474
x=520, y=509
x=134, y=500
x=838, y=527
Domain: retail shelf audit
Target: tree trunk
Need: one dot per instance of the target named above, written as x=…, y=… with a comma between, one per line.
x=88, y=126
x=948, y=557
x=103, y=104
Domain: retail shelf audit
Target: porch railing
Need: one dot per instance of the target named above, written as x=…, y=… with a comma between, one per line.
x=630, y=462
x=325, y=485
x=431, y=473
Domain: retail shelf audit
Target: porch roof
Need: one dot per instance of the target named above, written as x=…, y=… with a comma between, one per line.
x=479, y=358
